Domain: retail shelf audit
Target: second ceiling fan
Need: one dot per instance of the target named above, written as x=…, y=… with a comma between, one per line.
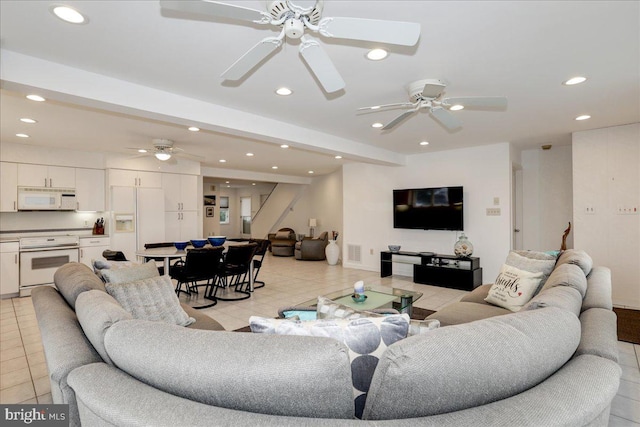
x=294, y=17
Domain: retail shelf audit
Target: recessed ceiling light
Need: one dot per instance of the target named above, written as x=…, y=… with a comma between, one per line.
x=284, y=91
x=249, y=154
x=222, y=161
x=228, y=186
x=253, y=183
x=142, y=150
x=575, y=81
x=28, y=120
x=375, y=107
x=226, y=182
x=377, y=125
x=194, y=129
x=583, y=117
x=284, y=146
x=69, y=15
x=377, y=54
x=456, y=107
x=22, y=135
x=36, y=98
x=274, y=167
x=338, y=157
x=424, y=143
x=311, y=172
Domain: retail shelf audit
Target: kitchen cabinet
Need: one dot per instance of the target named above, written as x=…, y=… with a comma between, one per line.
x=46, y=176
x=9, y=269
x=180, y=192
x=90, y=189
x=130, y=178
x=91, y=248
x=181, y=226
x=8, y=187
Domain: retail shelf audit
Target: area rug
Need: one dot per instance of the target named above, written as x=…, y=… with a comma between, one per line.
x=628, y=325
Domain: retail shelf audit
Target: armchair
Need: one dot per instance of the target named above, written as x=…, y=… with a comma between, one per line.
x=312, y=249
x=283, y=242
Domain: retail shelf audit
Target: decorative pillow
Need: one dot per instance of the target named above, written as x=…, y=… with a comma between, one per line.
x=533, y=262
x=513, y=288
x=101, y=264
x=130, y=274
x=366, y=338
x=328, y=309
x=283, y=234
x=150, y=299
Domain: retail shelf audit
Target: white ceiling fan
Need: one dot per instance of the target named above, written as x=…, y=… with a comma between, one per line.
x=294, y=17
x=163, y=150
x=428, y=94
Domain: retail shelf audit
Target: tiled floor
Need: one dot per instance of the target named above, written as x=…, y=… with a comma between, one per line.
x=23, y=373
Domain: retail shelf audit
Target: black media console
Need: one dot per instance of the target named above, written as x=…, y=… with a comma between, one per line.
x=435, y=269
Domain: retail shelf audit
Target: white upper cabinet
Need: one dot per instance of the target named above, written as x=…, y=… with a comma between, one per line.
x=180, y=192
x=129, y=178
x=46, y=176
x=8, y=187
x=90, y=189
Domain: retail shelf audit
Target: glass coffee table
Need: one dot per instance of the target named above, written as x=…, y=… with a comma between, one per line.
x=377, y=297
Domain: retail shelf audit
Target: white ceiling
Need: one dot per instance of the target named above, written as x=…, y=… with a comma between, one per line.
x=521, y=50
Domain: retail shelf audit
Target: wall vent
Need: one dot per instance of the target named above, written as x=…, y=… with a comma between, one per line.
x=354, y=253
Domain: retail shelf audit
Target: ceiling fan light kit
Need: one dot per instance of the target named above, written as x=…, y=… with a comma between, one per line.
x=295, y=17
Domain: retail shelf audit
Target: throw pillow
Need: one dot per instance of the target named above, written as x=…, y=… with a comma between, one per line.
x=130, y=274
x=328, y=309
x=151, y=299
x=533, y=262
x=513, y=288
x=101, y=264
x=366, y=338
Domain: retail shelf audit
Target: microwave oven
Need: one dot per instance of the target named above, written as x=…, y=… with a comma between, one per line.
x=46, y=199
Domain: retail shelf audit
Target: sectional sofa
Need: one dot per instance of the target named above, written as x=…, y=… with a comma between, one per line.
x=554, y=362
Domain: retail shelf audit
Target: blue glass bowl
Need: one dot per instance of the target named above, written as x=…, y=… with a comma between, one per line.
x=359, y=297
x=217, y=240
x=180, y=245
x=199, y=243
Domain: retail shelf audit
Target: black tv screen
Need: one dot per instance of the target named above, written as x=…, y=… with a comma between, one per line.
x=428, y=208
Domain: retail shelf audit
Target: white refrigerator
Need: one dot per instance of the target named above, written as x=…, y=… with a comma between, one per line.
x=137, y=216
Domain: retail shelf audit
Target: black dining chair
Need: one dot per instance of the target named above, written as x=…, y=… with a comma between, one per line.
x=199, y=265
x=261, y=250
x=110, y=255
x=234, y=271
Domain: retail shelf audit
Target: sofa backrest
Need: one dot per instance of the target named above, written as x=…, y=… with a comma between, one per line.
x=277, y=375
x=74, y=278
x=471, y=364
x=577, y=257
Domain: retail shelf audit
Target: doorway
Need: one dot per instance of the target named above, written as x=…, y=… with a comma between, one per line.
x=245, y=216
x=516, y=209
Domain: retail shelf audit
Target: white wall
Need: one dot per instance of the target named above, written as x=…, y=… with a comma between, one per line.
x=606, y=178
x=547, y=197
x=484, y=172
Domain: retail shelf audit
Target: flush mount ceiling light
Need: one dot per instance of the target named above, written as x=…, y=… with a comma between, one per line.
x=162, y=156
x=28, y=120
x=68, y=14
x=377, y=54
x=583, y=117
x=377, y=125
x=424, y=143
x=575, y=80
x=456, y=107
x=36, y=98
x=22, y=135
x=284, y=91
x=194, y=129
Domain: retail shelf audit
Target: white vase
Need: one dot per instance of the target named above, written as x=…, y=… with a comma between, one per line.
x=332, y=252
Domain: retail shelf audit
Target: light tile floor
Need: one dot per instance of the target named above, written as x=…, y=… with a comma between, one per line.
x=24, y=377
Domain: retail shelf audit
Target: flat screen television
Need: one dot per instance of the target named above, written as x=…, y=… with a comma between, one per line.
x=429, y=208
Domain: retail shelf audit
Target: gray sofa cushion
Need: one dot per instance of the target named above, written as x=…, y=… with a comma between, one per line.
x=202, y=320
x=130, y=274
x=269, y=374
x=96, y=312
x=577, y=257
x=567, y=275
x=598, y=289
x=599, y=334
x=477, y=295
x=564, y=297
x=72, y=279
x=533, y=345
x=465, y=312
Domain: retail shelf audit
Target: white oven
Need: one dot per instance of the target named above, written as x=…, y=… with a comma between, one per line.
x=40, y=257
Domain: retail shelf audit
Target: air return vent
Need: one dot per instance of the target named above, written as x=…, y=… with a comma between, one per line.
x=354, y=253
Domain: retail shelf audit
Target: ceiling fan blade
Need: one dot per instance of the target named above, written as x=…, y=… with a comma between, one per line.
x=252, y=58
x=216, y=8
x=374, y=30
x=446, y=118
x=478, y=101
x=321, y=65
x=396, y=105
x=399, y=119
